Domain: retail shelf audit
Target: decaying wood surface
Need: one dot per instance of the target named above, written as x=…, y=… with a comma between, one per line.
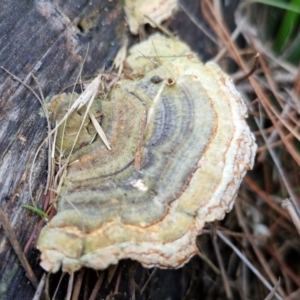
x=49, y=39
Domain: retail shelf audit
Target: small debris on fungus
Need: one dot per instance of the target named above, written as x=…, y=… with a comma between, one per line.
x=195, y=148
x=156, y=79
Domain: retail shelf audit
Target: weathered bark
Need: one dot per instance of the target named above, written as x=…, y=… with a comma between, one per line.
x=50, y=39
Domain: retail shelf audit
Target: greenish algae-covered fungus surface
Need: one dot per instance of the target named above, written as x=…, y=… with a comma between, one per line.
x=180, y=148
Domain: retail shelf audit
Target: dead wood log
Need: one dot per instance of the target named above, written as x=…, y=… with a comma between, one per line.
x=49, y=39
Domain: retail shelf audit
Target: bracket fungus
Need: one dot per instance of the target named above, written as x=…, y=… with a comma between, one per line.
x=178, y=155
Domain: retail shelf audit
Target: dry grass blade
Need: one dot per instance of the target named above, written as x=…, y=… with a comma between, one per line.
x=161, y=28
x=288, y=205
x=78, y=284
x=70, y=287
x=257, y=264
x=118, y=282
x=111, y=271
x=50, y=160
x=45, y=110
x=87, y=99
x=215, y=22
x=200, y=26
x=248, y=263
x=17, y=248
x=99, y=130
x=97, y=287
x=87, y=96
x=278, y=124
x=209, y=262
x=285, y=268
x=148, y=280
x=120, y=58
x=297, y=83
x=256, y=250
x=138, y=155
x=58, y=285
x=270, y=109
x=40, y=288
x=228, y=291
x=294, y=296
x=272, y=293
x=263, y=195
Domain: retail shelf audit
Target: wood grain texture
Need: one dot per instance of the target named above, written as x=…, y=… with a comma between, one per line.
x=50, y=40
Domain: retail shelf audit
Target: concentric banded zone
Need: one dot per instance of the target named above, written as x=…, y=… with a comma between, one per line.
x=193, y=148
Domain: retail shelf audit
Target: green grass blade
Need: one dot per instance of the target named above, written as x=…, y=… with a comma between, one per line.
x=287, y=28
x=36, y=210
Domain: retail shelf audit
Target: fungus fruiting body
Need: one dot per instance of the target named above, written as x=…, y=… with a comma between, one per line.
x=192, y=146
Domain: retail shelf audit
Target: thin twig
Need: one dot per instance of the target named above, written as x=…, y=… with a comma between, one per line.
x=254, y=67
